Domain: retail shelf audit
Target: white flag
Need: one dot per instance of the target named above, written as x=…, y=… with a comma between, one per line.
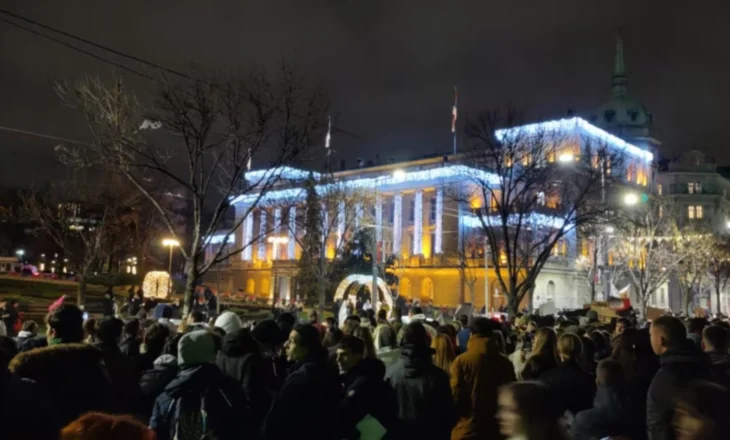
x=328, y=138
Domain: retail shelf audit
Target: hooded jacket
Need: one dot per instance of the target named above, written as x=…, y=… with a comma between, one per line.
x=678, y=366
x=476, y=376
x=73, y=375
x=721, y=367
x=153, y=382
x=425, y=404
x=304, y=407
x=366, y=394
x=573, y=388
x=123, y=375
x=615, y=413
x=24, y=410
x=224, y=400
x=229, y=322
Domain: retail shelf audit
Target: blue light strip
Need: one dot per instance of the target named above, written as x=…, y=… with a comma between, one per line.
x=575, y=124
x=542, y=220
x=218, y=239
x=283, y=172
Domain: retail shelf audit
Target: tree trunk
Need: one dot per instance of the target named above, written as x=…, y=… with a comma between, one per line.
x=717, y=297
x=81, y=289
x=513, y=306
x=191, y=272
x=462, y=286
x=643, y=299
x=686, y=301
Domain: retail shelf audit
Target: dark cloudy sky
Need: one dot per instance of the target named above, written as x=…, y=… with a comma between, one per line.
x=389, y=66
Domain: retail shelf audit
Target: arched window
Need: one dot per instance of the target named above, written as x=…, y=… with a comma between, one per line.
x=404, y=288
x=427, y=288
x=264, y=287
x=541, y=198
x=550, y=291
x=251, y=286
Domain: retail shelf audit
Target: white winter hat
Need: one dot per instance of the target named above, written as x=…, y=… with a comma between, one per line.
x=229, y=322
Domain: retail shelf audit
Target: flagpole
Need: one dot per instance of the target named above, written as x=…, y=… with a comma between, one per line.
x=454, y=116
x=327, y=141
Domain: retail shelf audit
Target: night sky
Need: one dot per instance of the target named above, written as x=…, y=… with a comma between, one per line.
x=388, y=66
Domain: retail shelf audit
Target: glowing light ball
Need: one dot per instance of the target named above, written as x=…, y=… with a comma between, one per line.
x=156, y=284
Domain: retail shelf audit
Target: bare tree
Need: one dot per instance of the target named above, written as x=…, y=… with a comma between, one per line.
x=718, y=268
x=695, y=244
x=535, y=187
x=209, y=131
x=468, y=252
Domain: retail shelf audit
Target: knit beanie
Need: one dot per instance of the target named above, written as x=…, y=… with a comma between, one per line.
x=197, y=347
x=229, y=322
x=268, y=332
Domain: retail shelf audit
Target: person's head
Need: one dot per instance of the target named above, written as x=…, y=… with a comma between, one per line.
x=610, y=372
x=696, y=325
x=9, y=348
x=110, y=331
x=415, y=310
x=286, y=322
x=715, y=339
x=170, y=346
x=666, y=332
x=30, y=326
x=532, y=327
x=304, y=341
x=444, y=353
x=167, y=312
x=240, y=343
x=314, y=317
x=700, y=412
x=414, y=334
x=350, y=325
x=570, y=347
x=382, y=315
x=196, y=317
x=546, y=343
x=131, y=328
x=228, y=321
x=155, y=337
x=621, y=325
x=350, y=351
x=526, y=411
x=481, y=327
x=363, y=333
x=196, y=348
x=93, y=426
x=447, y=330
x=65, y=325
x=464, y=320
x=330, y=323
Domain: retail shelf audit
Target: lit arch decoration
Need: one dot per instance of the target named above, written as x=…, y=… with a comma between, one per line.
x=361, y=280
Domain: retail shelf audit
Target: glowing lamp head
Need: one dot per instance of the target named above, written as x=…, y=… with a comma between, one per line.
x=171, y=242
x=399, y=175
x=566, y=158
x=631, y=199
x=609, y=229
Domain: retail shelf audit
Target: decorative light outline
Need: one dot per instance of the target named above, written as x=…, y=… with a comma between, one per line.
x=553, y=222
x=283, y=172
x=218, y=239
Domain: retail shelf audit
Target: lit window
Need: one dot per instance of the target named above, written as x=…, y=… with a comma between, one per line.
x=659, y=189
x=526, y=159
x=694, y=188
x=493, y=201
x=541, y=198
x=508, y=160
x=691, y=212
x=630, y=172
x=699, y=211
x=661, y=211
x=595, y=161
x=695, y=212
x=608, y=166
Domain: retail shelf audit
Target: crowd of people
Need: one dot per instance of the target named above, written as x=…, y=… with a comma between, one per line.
x=373, y=377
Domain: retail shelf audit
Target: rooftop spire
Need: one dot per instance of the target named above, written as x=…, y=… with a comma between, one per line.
x=619, y=81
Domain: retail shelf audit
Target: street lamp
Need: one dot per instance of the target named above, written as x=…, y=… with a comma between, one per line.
x=399, y=175
x=609, y=230
x=171, y=243
x=566, y=158
x=631, y=199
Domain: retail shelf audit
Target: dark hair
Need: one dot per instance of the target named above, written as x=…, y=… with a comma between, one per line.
x=314, y=316
x=696, y=325
x=286, y=321
x=9, y=348
x=625, y=321
x=415, y=334
x=110, y=330
x=166, y=313
x=416, y=310
x=352, y=344
x=241, y=342
x=171, y=344
x=539, y=416
x=717, y=337
x=447, y=330
x=197, y=316
x=30, y=326
x=131, y=327
x=672, y=328
x=155, y=337
x=382, y=315
x=309, y=337
x=464, y=320
x=67, y=322
x=331, y=322
x=482, y=327
x=613, y=372
x=708, y=400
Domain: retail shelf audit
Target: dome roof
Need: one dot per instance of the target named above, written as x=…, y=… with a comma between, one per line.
x=622, y=112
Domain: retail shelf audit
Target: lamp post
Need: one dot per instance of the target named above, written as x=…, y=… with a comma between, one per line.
x=171, y=243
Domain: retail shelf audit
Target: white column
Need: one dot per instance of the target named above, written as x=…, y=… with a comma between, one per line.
x=290, y=252
x=418, y=223
x=247, y=253
x=275, y=246
x=438, y=246
x=397, y=222
x=340, y=224
x=262, y=236
x=358, y=216
x=379, y=219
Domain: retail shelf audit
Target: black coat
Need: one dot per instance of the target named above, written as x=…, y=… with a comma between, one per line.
x=614, y=413
x=721, y=368
x=367, y=394
x=306, y=403
x=426, y=408
x=678, y=366
x=152, y=383
x=33, y=342
x=224, y=401
x=130, y=346
x=25, y=411
x=573, y=389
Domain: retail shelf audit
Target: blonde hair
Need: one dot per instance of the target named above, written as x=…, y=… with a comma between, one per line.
x=570, y=346
x=546, y=344
x=445, y=354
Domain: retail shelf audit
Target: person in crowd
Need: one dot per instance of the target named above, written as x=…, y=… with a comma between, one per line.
x=396, y=320
x=544, y=356
x=73, y=374
x=462, y=338
x=314, y=320
x=98, y=426
x=367, y=338
x=120, y=368
x=164, y=313
x=10, y=315
x=366, y=395
x=130, y=338
x=28, y=331
x=715, y=344
x=154, y=379
x=310, y=395
x=444, y=353
x=239, y=358
x=680, y=362
x=201, y=401
x=332, y=335
x=196, y=321
x=573, y=388
x=476, y=375
x=270, y=339
x=416, y=315
x=286, y=323
x=621, y=325
x=153, y=343
x=615, y=411
x=108, y=303
x=229, y=322
x=449, y=331
x=701, y=412
x=526, y=412
x=384, y=335
x=601, y=342
x=694, y=330
x=623, y=351
x=426, y=407
x=90, y=331
x=587, y=361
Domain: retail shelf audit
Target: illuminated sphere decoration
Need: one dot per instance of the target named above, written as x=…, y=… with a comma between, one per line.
x=156, y=284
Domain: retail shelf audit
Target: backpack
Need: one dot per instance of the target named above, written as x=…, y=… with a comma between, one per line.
x=206, y=415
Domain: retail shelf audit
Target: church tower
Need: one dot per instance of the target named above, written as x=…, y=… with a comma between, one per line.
x=622, y=115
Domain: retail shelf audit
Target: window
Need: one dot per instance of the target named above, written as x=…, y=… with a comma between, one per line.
x=508, y=160
x=608, y=166
x=550, y=291
x=494, y=202
x=661, y=211
x=541, y=198
x=694, y=212
x=694, y=188
x=659, y=189
x=526, y=159
x=412, y=213
x=595, y=161
x=432, y=212
x=630, y=172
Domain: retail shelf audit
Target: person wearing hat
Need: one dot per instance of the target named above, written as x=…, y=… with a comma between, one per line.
x=200, y=397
